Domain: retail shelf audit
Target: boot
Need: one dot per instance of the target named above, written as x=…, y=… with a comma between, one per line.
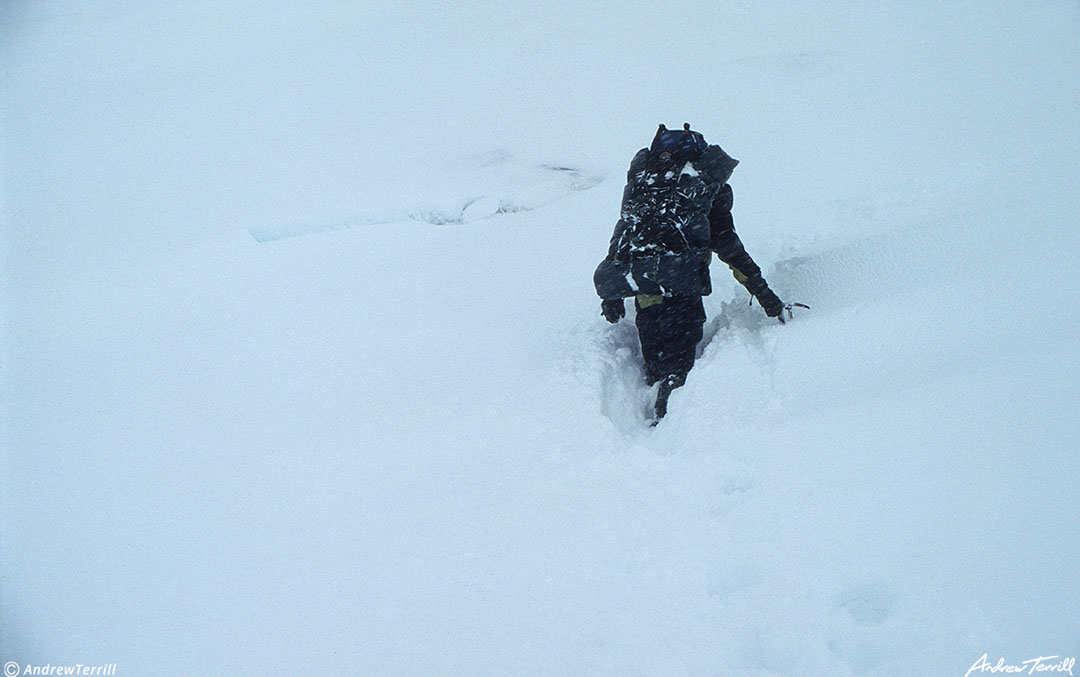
x=666, y=386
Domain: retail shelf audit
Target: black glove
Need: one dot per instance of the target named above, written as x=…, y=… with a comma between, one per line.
x=613, y=309
x=773, y=307
x=771, y=303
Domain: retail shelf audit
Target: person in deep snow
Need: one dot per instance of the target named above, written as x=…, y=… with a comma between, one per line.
x=676, y=209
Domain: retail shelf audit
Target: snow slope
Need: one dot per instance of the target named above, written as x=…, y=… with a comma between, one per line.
x=303, y=370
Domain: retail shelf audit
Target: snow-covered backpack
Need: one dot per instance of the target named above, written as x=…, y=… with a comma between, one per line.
x=661, y=242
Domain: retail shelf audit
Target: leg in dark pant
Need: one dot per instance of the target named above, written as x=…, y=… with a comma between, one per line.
x=669, y=332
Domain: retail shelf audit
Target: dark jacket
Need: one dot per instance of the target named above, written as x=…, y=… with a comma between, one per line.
x=672, y=217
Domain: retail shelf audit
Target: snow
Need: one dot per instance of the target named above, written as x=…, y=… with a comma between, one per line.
x=303, y=370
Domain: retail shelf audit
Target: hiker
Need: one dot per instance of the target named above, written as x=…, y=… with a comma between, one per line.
x=676, y=209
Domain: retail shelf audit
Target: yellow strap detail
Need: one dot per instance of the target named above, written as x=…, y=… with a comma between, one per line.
x=739, y=277
x=646, y=300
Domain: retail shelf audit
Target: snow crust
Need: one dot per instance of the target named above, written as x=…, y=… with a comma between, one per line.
x=303, y=371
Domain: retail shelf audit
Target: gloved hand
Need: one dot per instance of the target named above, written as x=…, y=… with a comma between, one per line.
x=613, y=309
x=771, y=303
x=756, y=285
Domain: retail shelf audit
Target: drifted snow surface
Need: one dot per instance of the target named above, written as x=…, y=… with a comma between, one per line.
x=303, y=372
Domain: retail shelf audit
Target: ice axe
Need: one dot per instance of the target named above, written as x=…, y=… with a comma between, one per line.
x=788, y=308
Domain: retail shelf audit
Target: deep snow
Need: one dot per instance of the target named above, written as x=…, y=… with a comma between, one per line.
x=303, y=371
